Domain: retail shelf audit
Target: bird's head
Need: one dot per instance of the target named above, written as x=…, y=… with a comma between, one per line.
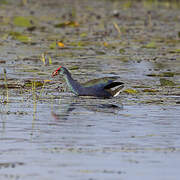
x=60, y=70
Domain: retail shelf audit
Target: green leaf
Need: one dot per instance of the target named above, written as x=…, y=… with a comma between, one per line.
x=20, y=37
x=130, y=91
x=150, y=90
x=52, y=45
x=83, y=34
x=22, y=21
x=4, y=2
x=175, y=51
x=23, y=38
x=36, y=83
x=127, y=4
x=67, y=24
x=74, y=67
x=122, y=51
x=151, y=45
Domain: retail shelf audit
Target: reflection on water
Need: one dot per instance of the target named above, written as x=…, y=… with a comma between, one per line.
x=66, y=110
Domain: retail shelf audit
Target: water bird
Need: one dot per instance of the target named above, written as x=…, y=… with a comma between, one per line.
x=105, y=87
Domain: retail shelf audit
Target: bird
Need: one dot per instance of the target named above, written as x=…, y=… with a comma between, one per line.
x=100, y=88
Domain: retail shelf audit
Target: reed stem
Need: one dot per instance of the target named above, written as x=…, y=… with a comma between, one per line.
x=6, y=85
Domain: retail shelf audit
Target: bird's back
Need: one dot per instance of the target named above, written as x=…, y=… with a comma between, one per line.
x=100, y=83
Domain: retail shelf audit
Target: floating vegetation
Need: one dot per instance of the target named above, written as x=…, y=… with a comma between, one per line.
x=20, y=37
x=67, y=24
x=33, y=83
x=150, y=45
x=10, y=164
x=83, y=35
x=150, y=90
x=73, y=67
x=166, y=82
x=122, y=51
x=22, y=21
x=164, y=74
x=130, y=91
x=53, y=45
x=174, y=51
x=10, y=86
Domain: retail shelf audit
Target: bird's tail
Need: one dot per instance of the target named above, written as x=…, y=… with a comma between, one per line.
x=116, y=91
x=112, y=88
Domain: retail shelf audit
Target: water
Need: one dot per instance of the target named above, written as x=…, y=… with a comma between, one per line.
x=89, y=141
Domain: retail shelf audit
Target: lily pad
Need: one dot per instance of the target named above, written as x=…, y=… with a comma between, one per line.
x=22, y=21
x=20, y=37
x=166, y=82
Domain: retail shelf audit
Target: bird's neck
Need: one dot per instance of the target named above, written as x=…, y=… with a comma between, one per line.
x=73, y=85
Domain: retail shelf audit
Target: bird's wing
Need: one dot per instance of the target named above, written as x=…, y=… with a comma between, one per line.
x=113, y=84
x=101, y=82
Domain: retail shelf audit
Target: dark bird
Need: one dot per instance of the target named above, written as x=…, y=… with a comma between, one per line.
x=104, y=87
